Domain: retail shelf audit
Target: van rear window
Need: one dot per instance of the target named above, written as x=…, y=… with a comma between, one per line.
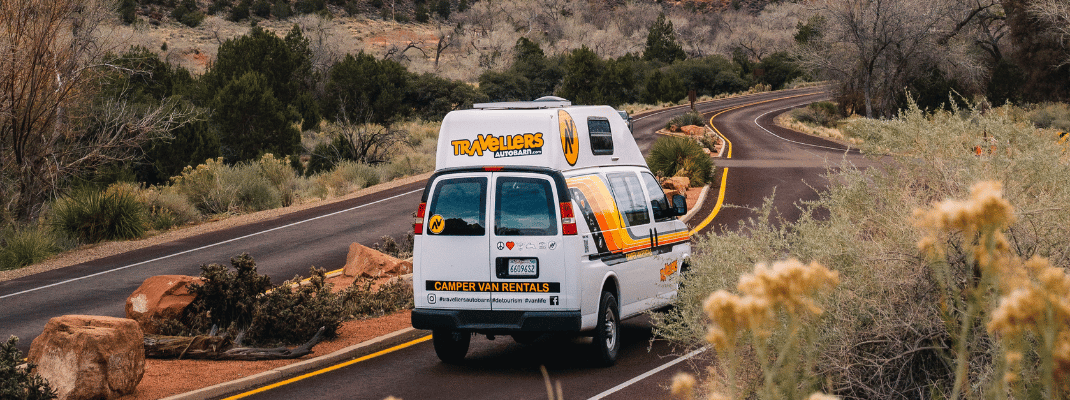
x=524, y=207
x=462, y=203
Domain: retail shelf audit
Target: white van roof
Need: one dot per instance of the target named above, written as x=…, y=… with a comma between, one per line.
x=549, y=132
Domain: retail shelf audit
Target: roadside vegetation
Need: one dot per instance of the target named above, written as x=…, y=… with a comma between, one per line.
x=952, y=274
x=238, y=300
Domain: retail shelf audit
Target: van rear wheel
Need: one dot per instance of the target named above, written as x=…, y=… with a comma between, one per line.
x=607, y=332
x=451, y=346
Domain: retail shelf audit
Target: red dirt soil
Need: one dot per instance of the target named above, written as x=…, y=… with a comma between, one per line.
x=165, y=378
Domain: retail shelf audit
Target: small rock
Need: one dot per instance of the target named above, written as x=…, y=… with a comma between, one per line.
x=90, y=357
x=159, y=298
x=370, y=263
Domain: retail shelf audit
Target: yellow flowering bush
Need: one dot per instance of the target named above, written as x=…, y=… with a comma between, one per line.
x=774, y=298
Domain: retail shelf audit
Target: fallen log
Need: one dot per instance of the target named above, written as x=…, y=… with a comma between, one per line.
x=212, y=347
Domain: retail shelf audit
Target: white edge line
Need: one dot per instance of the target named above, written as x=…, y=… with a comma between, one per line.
x=792, y=141
x=647, y=374
x=204, y=247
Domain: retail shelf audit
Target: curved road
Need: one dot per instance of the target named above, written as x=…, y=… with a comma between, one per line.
x=761, y=157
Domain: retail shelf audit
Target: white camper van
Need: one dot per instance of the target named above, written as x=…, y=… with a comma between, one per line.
x=541, y=217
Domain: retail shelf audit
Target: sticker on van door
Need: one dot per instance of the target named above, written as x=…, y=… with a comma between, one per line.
x=523, y=144
x=570, y=139
x=436, y=224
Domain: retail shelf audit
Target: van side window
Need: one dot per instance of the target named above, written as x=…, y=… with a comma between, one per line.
x=601, y=136
x=524, y=206
x=630, y=198
x=657, y=198
x=462, y=203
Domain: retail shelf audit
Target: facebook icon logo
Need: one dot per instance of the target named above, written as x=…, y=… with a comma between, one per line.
x=553, y=301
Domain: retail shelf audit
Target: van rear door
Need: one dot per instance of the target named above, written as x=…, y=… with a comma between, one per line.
x=527, y=251
x=455, y=253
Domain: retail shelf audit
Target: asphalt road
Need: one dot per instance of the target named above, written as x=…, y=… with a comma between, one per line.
x=762, y=159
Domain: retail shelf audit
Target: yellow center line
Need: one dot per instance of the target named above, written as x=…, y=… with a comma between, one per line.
x=331, y=368
x=724, y=175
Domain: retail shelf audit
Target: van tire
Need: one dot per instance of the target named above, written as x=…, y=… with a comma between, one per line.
x=607, y=331
x=451, y=346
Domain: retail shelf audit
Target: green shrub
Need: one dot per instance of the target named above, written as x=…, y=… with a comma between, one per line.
x=93, y=215
x=361, y=301
x=685, y=119
x=214, y=187
x=294, y=311
x=228, y=299
x=1051, y=115
x=346, y=177
x=167, y=208
x=281, y=174
x=22, y=246
x=823, y=113
x=408, y=165
x=18, y=382
x=677, y=156
x=243, y=300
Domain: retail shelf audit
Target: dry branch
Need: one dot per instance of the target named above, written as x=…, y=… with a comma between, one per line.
x=211, y=347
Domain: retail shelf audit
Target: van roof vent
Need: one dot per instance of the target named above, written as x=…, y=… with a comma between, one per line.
x=542, y=102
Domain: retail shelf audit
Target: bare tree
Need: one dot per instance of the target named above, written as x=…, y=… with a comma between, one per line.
x=1055, y=13
x=51, y=125
x=875, y=45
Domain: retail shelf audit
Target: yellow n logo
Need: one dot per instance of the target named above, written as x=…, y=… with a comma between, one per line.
x=436, y=224
x=570, y=139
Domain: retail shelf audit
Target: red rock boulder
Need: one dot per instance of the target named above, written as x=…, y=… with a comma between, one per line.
x=366, y=262
x=694, y=130
x=90, y=357
x=160, y=298
x=675, y=185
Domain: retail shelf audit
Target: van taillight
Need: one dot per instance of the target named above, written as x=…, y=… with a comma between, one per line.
x=418, y=224
x=568, y=219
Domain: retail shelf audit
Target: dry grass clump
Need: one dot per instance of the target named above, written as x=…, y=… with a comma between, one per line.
x=900, y=324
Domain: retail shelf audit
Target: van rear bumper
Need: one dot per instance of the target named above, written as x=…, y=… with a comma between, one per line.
x=501, y=322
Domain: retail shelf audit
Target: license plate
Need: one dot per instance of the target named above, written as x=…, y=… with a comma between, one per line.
x=523, y=267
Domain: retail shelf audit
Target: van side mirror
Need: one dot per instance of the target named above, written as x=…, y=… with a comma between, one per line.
x=679, y=204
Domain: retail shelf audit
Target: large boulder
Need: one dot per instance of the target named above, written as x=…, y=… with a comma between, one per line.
x=160, y=298
x=90, y=357
x=675, y=185
x=367, y=262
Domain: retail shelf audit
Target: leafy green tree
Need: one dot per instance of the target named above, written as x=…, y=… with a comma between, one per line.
x=362, y=89
x=505, y=86
x=442, y=8
x=661, y=44
x=422, y=15
x=661, y=86
x=128, y=11
x=154, y=81
x=709, y=76
x=284, y=63
x=583, y=70
x=619, y=83
x=777, y=70
x=252, y=121
x=187, y=13
x=431, y=97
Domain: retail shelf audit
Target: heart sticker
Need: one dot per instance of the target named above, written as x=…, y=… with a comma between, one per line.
x=510, y=245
